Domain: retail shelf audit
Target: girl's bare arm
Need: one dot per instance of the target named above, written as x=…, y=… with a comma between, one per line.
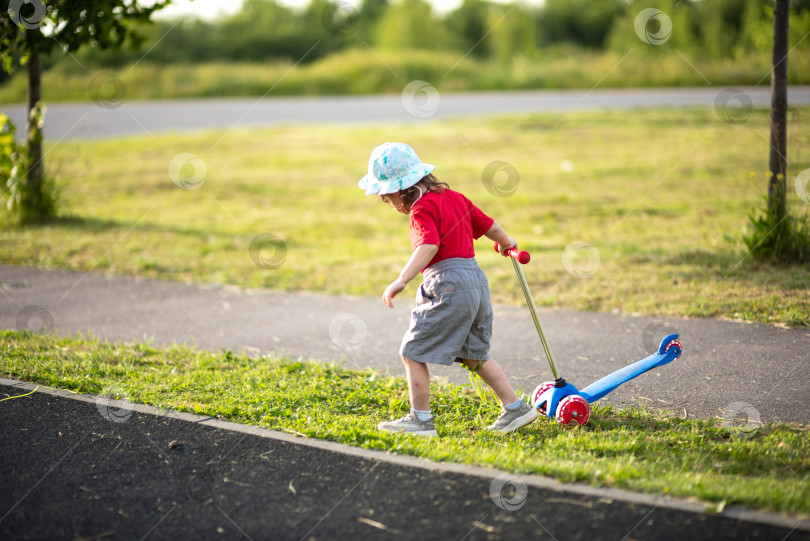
x=498, y=234
x=418, y=261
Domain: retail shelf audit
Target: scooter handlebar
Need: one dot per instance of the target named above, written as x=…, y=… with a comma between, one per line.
x=522, y=256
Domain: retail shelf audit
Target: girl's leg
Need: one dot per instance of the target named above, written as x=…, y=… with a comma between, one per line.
x=418, y=384
x=416, y=423
x=493, y=375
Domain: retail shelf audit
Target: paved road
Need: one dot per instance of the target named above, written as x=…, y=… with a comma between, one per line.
x=88, y=120
x=158, y=475
x=724, y=362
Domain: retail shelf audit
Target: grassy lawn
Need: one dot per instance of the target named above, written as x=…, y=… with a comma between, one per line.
x=662, y=195
x=631, y=449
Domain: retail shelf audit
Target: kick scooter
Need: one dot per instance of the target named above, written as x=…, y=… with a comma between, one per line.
x=561, y=399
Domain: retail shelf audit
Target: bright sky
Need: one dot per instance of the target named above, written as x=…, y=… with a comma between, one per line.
x=204, y=9
x=211, y=9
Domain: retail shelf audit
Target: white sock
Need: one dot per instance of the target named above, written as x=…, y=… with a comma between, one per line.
x=513, y=406
x=423, y=415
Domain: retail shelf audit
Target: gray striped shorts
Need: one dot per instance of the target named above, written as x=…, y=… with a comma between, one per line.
x=452, y=319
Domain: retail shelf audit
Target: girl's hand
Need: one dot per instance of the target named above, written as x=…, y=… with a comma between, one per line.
x=497, y=234
x=392, y=291
x=504, y=248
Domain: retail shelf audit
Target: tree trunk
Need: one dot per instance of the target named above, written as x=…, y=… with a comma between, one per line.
x=778, y=159
x=35, y=168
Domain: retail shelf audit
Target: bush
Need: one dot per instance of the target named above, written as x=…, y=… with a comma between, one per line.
x=24, y=203
x=782, y=241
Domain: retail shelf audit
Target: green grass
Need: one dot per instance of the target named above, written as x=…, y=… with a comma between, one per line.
x=362, y=71
x=662, y=194
x=631, y=449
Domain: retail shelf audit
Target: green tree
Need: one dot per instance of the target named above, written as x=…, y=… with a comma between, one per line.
x=778, y=236
x=264, y=29
x=335, y=23
x=664, y=32
x=29, y=29
x=410, y=24
x=777, y=189
x=371, y=11
x=583, y=22
x=799, y=26
x=715, y=41
x=513, y=33
x=756, y=32
x=469, y=23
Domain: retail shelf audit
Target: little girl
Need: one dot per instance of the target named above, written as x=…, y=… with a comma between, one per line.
x=452, y=320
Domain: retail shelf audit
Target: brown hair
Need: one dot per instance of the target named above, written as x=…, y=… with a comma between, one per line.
x=428, y=183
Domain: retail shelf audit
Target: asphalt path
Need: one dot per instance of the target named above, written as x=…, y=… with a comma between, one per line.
x=66, y=121
x=84, y=468
x=727, y=367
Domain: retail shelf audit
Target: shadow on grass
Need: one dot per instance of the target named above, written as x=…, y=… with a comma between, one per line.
x=99, y=225
x=727, y=266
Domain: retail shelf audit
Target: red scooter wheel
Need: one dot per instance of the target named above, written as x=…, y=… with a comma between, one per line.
x=540, y=389
x=674, y=343
x=573, y=409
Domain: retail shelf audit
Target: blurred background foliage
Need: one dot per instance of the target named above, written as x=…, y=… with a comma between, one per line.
x=491, y=45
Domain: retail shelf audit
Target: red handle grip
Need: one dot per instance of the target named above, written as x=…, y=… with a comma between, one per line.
x=522, y=256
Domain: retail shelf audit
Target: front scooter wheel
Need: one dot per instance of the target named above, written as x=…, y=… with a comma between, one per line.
x=674, y=344
x=539, y=390
x=573, y=410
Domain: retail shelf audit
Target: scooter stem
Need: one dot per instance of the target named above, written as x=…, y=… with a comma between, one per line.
x=533, y=309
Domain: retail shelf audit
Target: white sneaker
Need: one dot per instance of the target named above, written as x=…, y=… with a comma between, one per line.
x=410, y=424
x=509, y=421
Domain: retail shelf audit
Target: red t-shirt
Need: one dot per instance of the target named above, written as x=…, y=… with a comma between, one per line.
x=449, y=220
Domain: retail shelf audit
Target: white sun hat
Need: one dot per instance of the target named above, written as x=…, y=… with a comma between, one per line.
x=393, y=167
